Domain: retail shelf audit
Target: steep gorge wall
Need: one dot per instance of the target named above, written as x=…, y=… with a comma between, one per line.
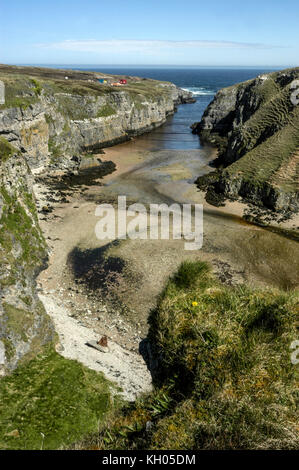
x=58, y=125
x=24, y=326
x=255, y=126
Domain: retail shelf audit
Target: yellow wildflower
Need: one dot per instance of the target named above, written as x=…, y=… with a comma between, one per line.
x=194, y=304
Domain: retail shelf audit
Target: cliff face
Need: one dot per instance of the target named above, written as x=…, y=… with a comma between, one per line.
x=46, y=123
x=52, y=119
x=255, y=127
x=24, y=325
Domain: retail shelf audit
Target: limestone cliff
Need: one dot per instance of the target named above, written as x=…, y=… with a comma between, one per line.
x=255, y=126
x=51, y=119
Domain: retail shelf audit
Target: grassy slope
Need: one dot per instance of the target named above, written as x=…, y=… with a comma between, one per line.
x=53, y=396
x=24, y=85
x=22, y=253
x=6, y=149
x=265, y=156
x=225, y=380
x=267, y=139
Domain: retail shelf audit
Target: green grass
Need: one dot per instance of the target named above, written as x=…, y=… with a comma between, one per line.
x=20, y=92
x=106, y=111
x=7, y=150
x=74, y=87
x=17, y=226
x=189, y=273
x=51, y=396
x=225, y=378
x=37, y=87
x=263, y=162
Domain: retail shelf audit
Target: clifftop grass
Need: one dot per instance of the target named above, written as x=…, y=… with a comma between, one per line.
x=51, y=402
x=225, y=378
x=24, y=86
x=55, y=102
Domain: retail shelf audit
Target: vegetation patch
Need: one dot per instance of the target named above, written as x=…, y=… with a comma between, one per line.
x=225, y=378
x=7, y=150
x=16, y=226
x=51, y=402
x=106, y=111
x=37, y=87
x=258, y=142
x=54, y=149
x=20, y=92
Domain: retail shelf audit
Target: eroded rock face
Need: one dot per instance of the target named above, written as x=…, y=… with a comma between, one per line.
x=24, y=325
x=253, y=125
x=59, y=125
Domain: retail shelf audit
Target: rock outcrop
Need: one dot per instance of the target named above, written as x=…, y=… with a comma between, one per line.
x=24, y=326
x=255, y=126
x=52, y=119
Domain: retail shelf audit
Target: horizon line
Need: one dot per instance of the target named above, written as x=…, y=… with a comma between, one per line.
x=146, y=65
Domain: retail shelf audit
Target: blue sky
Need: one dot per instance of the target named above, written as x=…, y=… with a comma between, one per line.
x=139, y=32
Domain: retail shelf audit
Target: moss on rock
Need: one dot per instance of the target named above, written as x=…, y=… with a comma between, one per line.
x=6, y=149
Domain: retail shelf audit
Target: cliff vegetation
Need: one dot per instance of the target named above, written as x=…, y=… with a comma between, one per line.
x=224, y=377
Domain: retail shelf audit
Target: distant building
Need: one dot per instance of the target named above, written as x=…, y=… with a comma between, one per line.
x=108, y=81
x=103, y=81
x=2, y=93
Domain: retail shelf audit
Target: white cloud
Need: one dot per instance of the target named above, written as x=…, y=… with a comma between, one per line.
x=146, y=46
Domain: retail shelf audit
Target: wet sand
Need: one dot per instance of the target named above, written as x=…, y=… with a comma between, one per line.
x=130, y=156
x=238, y=251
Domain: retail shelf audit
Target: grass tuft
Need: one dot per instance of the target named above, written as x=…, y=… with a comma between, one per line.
x=7, y=150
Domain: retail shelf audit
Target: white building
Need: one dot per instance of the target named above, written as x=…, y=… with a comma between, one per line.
x=2, y=93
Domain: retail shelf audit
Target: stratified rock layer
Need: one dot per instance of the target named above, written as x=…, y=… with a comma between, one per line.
x=50, y=119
